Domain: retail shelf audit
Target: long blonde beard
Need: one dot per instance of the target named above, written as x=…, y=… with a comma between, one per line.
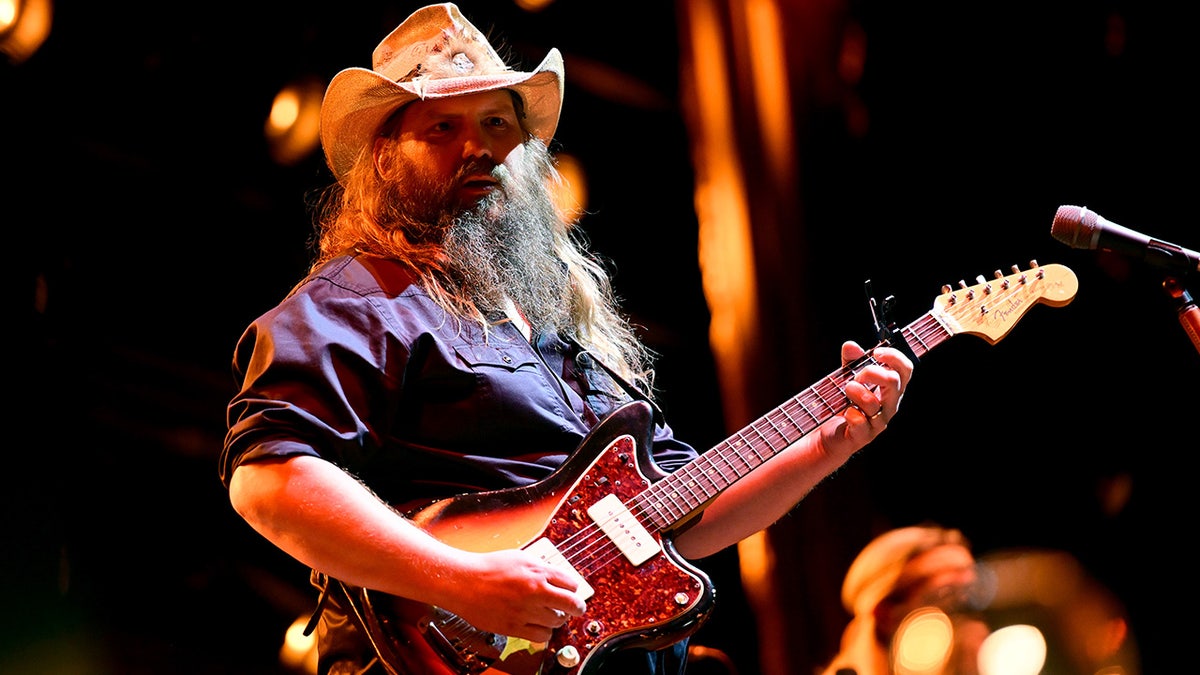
x=500, y=248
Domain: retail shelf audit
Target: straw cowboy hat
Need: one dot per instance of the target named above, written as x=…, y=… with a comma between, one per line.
x=434, y=53
x=873, y=576
x=877, y=568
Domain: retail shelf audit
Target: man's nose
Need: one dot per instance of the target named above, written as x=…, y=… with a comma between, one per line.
x=476, y=144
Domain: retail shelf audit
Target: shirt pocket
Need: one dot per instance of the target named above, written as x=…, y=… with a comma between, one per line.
x=514, y=398
x=511, y=359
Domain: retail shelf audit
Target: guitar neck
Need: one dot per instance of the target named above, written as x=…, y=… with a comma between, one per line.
x=988, y=309
x=690, y=488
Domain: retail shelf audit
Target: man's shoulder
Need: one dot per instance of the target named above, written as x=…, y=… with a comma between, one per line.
x=365, y=274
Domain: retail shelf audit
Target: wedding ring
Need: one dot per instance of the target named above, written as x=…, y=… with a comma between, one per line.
x=877, y=414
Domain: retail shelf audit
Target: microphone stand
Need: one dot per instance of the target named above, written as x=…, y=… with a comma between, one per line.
x=1189, y=313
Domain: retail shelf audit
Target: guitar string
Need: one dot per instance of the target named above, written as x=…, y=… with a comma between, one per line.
x=690, y=475
x=928, y=332
x=641, y=506
x=759, y=429
x=583, y=553
x=924, y=330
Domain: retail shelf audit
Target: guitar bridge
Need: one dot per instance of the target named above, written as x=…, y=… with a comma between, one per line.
x=471, y=650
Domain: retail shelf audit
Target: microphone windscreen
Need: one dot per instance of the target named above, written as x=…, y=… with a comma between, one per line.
x=1074, y=226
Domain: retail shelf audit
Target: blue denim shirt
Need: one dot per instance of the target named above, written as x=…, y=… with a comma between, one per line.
x=358, y=365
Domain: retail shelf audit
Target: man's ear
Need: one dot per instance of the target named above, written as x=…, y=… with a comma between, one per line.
x=379, y=155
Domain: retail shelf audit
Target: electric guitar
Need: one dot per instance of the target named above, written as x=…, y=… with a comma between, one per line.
x=607, y=514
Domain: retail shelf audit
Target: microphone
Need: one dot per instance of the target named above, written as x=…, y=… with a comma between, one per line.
x=1078, y=227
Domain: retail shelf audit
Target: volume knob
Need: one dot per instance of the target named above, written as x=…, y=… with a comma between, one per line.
x=568, y=657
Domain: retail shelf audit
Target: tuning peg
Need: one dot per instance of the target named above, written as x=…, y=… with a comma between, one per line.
x=946, y=290
x=1041, y=273
x=1003, y=281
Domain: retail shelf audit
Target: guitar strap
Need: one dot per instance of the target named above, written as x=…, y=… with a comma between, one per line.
x=585, y=358
x=321, y=581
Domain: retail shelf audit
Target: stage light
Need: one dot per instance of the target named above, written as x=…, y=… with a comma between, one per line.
x=299, y=651
x=570, y=196
x=24, y=26
x=293, y=125
x=923, y=642
x=1013, y=650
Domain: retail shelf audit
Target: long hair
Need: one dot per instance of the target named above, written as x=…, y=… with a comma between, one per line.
x=357, y=214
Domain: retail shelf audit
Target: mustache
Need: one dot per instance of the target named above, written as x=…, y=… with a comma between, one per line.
x=478, y=165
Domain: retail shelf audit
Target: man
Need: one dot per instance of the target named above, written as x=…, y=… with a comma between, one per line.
x=920, y=581
x=455, y=337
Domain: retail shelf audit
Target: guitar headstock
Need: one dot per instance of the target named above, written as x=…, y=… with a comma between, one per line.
x=990, y=309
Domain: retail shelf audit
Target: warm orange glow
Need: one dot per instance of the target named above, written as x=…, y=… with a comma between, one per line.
x=24, y=26
x=570, y=196
x=725, y=250
x=726, y=253
x=299, y=651
x=923, y=643
x=293, y=124
x=756, y=559
x=284, y=112
x=8, y=14
x=768, y=61
x=1019, y=649
x=1089, y=618
x=1105, y=638
x=533, y=5
x=605, y=81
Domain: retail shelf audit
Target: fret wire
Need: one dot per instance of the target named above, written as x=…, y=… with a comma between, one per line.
x=816, y=420
x=792, y=421
x=744, y=443
x=821, y=398
x=691, y=485
x=777, y=431
x=754, y=447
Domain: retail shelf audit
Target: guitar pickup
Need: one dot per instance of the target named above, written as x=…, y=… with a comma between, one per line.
x=624, y=530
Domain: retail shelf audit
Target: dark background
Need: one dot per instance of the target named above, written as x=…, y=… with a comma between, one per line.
x=148, y=226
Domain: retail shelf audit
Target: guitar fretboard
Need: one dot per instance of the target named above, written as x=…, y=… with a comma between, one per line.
x=677, y=496
x=989, y=309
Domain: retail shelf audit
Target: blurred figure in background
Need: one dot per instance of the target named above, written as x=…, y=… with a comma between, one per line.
x=1084, y=627
x=912, y=596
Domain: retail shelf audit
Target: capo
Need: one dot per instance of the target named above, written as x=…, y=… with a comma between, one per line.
x=885, y=326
